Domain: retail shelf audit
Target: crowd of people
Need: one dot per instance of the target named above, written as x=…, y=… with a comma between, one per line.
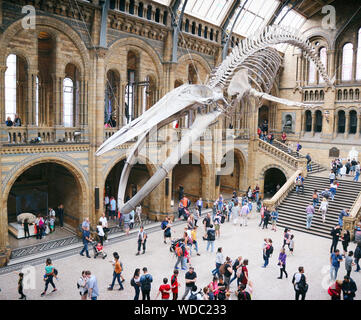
x=345, y=167
x=45, y=224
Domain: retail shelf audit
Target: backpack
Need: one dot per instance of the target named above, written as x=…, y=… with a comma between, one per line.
x=146, y=283
x=222, y=268
x=270, y=250
x=302, y=285
x=178, y=251
x=132, y=283
x=223, y=218
x=357, y=253
x=221, y=295
x=163, y=225
x=211, y=235
x=240, y=273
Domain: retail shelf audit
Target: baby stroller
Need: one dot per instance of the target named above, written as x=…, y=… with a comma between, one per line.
x=97, y=252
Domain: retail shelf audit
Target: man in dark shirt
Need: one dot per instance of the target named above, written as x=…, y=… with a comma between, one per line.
x=335, y=233
x=207, y=222
x=242, y=294
x=60, y=214
x=86, y=239
x=348, y=288
x=191, y=278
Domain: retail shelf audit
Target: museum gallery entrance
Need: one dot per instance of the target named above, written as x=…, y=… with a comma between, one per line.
x=138, y=176
x=44, y=186
x=274, y=179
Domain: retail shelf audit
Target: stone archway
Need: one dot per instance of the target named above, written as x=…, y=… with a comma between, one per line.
x=235, y=178
x=57, y=180
x=274, y=179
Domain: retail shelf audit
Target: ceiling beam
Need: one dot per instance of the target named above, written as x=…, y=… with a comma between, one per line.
x=104, y=24
x=176, y=26
x=230, y=14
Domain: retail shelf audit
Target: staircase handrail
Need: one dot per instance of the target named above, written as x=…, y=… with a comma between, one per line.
x=301, y=154
x=284, y=156
x=349, y=222
x=283, y=192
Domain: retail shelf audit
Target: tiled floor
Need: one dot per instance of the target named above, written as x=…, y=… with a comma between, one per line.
x=311, y=252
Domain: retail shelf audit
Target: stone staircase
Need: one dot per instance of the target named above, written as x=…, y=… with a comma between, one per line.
x=315, y=167
x=292, y=210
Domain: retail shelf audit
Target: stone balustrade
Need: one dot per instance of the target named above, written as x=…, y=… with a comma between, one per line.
x=17, y=135
x=283, y=191
x=349, y=222
x=281, y=155
x=108, y=132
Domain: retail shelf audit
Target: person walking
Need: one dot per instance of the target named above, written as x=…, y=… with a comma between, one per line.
x=315, y=198
x=118, y=268
x=219, y=261
x=92, y=285
x=349, y=263
x=194, y=239
x=343, y=213
x=82, y=286
x=228, y=271
x=309, y=166
x=100, y=232
x=113, y=208
x=164, y=290
x=235, y=212
x=310, y=210
x=282, y=263
x=291, y=245
x=357, y=170
x=345, y=240
x=199, y=206
x=236, y=265
x=211, y=237
x=357, y=256
x=206, y=222
x=50, y=273
x=86, y=239
x=299, y=283
x=21, y=287
x=217, y=224
x=266, y=217
x=323, y=208
x=299, y=183
x=244, y=214
x=104, y=221
x=26, y=228
x=126, y=222
x=135, y=283
x=174, y=284
x=145, y=283
x=242, y=274
x=335, y=260
x=335, y=233
x=142, y=239
x=167, y=227
x=191, y=278
x=274, y=219
x=348, y=288
x=60, y=215
x=267, y=252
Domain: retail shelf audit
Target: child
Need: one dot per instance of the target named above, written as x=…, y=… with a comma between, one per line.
x=99, y=250
x=52, y=224
x=164, y=290
x=21, y=287
x=291, y=244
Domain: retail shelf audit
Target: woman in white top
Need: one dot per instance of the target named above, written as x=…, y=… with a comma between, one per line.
x=100, y=232
x=323, y=207
x=81, y=284
x=235, y=213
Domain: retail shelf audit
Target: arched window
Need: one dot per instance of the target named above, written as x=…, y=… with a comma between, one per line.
x=306, y=95
x=200, y=30
x=205, y=32
x=358, y=63
x=308, y=121
x=322, y=95
x=157, y=15
x=165, y=16
x=10, y=87
x=122, y=5
x=318, y=124
x=131, y=6
x=211, y=35
x=339, y=94
x=192, y=74
x=345, y=95
x=186, y=27
x=68, y=101
x=311, y=95
x=193, y=27
x=140, y=10
x=130, y=91
x=357, y=94
x=149, y=12
x=341, y=122
x=323, y=58
x=111, y=98
x=347, y=59
x=311, y=72
x=353, y=122
x=351, y=94
x=316, y=96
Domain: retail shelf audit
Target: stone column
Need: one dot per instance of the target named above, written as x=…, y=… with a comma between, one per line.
x=31, y=105
x=347, y=124
x=100, y=89
x=331, y=63
x=302, y=124
x=335, y=125
x=58, y=105
x=313, y=123
x=3, y=130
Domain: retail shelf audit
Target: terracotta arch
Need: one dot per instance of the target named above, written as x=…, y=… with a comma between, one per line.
x=30, y=64
x=78, y=174
x=50, y=22
x=195, y=57
x=139, y=46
